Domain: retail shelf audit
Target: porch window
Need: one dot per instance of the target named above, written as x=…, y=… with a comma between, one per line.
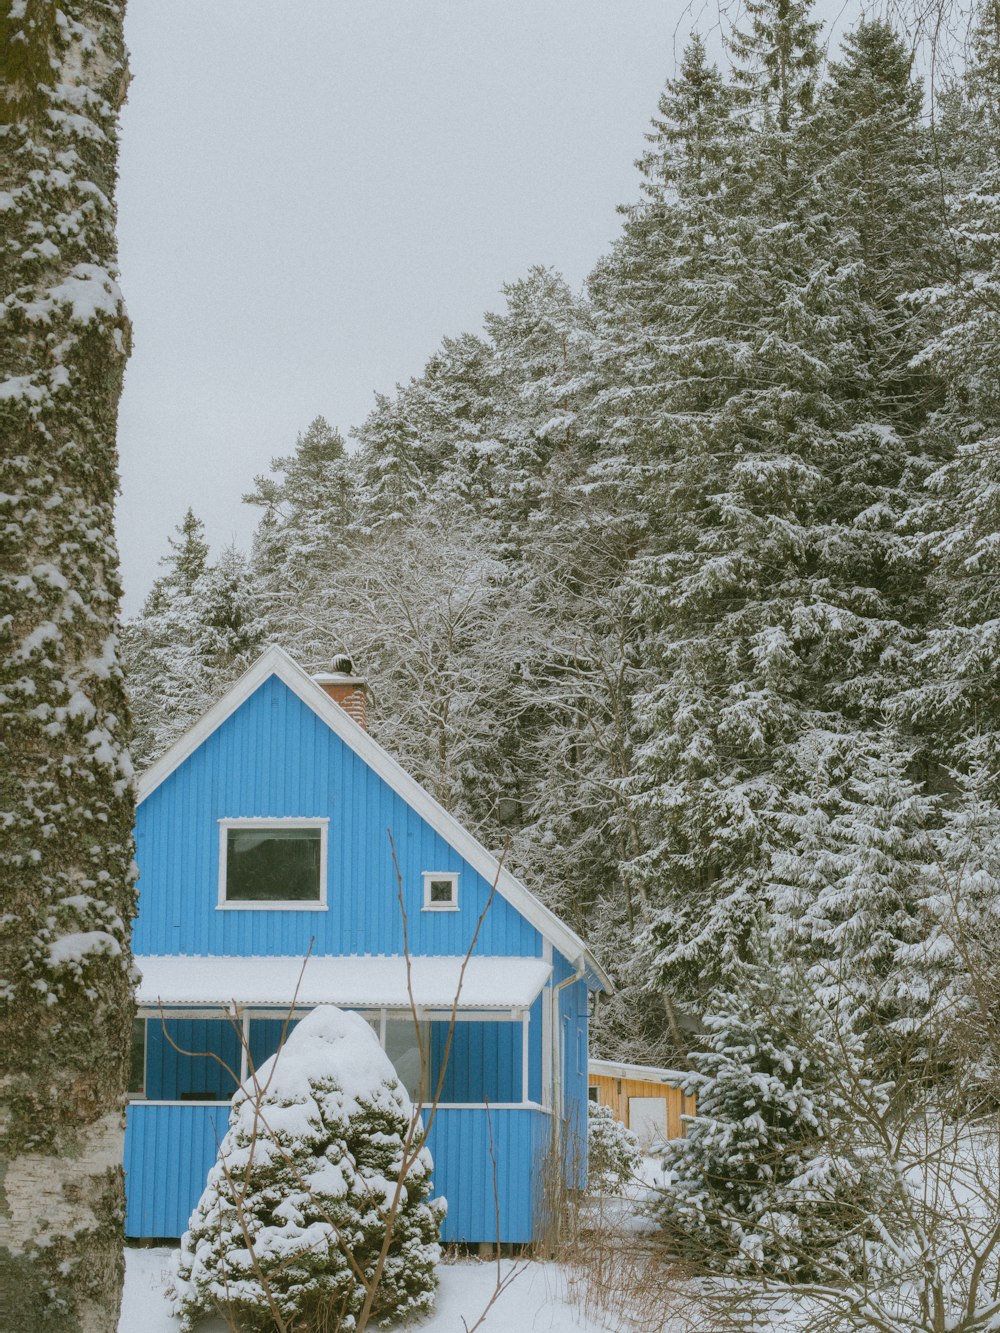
x=191, y=1059
x=272, y=863
x=403, y=1050
x=137, y=1064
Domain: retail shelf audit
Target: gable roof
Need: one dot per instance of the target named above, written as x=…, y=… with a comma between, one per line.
x=274, y=661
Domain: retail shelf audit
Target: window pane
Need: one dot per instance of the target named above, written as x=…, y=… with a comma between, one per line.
x=441, y=890
x=137, y=1067
x=402, y=1049
x=192, y=1059
x=273, y=865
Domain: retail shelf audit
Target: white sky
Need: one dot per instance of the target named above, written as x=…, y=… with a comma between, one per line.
x=313, y=193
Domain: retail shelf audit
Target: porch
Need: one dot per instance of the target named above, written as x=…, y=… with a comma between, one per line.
x=193, y=1045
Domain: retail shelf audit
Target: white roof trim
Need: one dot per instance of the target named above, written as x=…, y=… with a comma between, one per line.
x=363, y=982
x=640, y=1073
x=274, y=661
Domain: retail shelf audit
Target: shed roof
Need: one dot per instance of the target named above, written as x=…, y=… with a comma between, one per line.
x=274, y=661
x=364, y=982
x=639, y=1073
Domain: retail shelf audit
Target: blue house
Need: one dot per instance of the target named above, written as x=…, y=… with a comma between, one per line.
x=267, y=875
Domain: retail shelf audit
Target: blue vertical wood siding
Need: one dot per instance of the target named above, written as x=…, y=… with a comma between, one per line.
x=168, y=1153
x=169, y=1150
x=573, y=1022
x=265, y=1038
x=171, y=1075
x=484, y=1062
x=274, y=758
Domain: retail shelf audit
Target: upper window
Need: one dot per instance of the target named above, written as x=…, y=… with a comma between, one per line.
x=272, y=863
x=440, y=891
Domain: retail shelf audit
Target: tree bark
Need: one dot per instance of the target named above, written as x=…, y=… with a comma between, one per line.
x=66, y=799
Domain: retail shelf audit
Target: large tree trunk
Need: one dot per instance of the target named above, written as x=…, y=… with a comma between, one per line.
x=66, y=801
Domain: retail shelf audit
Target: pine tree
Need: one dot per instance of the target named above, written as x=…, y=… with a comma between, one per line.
x=198, y=629
x=66, y=779
x=307, y=507
x=184, y=564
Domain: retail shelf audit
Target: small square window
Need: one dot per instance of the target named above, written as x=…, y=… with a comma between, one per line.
x=440, y=891
x=272, y=863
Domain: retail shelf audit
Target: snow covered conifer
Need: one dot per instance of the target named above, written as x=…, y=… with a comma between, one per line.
x=613, y=1154
x=307, y=1176
x=767, y=1181
x=853, y=890
x=65, y=775
x=956, y=698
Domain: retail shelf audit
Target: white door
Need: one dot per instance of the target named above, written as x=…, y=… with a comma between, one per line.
x=647, y=1117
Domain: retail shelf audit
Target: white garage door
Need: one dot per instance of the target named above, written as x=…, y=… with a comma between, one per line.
x=647, y=1116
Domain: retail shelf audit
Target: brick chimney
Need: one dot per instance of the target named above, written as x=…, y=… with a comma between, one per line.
x=346, y=689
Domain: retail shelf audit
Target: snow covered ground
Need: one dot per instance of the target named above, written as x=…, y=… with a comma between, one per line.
x=535, y=1302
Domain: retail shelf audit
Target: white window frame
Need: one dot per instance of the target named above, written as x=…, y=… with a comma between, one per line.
x=276, y=905
x=430, y=876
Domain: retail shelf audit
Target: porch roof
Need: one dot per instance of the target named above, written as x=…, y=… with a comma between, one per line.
x=363, y=982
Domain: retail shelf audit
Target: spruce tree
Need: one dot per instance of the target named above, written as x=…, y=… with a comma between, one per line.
x=66, y=779
x=954, y=700
x=301, y=1197
x=198, y=629
x=854, y=893
x=770, y=1180
x=778, y=586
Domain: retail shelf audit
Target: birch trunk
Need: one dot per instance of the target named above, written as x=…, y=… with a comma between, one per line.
x=66, y=801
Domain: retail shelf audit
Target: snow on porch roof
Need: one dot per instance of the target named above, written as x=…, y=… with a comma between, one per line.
x=356, y=982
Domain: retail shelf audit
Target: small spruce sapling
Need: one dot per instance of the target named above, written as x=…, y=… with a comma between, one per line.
x=613, y=1154
x=770, y=1181
x=294, y=1210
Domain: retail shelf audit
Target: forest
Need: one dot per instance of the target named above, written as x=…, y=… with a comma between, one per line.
x=684, y=589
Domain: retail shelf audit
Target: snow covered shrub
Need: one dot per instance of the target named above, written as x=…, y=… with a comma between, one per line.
x=298, y=1202
x=612, y=1151
x=773, y=1178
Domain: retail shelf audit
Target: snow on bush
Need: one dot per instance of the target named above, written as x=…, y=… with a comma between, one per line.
x=303, y=1184
x=613, y=1155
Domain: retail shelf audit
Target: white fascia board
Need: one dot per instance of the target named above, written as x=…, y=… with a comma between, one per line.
x=639, y=1073
x=274, y=661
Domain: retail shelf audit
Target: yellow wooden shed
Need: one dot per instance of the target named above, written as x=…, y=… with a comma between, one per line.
x=646, y=1099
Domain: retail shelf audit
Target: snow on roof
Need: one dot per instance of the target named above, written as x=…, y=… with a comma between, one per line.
x=641, y=1073
x=359, y=982
x=274, y=661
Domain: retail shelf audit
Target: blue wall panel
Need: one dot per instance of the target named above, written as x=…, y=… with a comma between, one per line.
x=170, y=1149
x=573, y=1022
x=275, y=758
x=265, y=1038
x=172, y=1075
x=484, y=1061
x=168, y=1153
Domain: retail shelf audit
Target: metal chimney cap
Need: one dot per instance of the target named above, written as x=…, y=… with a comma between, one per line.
x=343, y=665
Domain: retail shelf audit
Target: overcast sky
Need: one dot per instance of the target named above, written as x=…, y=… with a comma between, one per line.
x=314, y=193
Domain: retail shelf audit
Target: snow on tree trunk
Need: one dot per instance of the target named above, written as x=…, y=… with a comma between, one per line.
x=66, y=801
x=299, y=1199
